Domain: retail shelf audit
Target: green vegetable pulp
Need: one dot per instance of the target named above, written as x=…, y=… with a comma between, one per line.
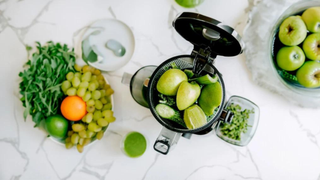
x=135, y=144
x=239, y=122
x=42, y=78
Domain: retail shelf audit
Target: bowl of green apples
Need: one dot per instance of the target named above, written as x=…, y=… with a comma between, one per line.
x=295, y=47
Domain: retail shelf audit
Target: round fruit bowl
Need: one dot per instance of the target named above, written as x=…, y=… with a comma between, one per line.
x=290, y=48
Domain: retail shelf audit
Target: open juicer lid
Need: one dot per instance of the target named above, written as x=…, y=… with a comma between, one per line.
x=205, y=32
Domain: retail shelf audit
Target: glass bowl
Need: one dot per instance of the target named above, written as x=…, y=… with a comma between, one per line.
x=274, y=45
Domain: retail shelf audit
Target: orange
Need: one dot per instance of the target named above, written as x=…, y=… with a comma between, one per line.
x=73, y=108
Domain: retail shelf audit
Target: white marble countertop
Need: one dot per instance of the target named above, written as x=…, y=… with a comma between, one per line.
x=285, y=145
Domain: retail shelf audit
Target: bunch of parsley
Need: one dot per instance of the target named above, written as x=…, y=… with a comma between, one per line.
x=41, y=80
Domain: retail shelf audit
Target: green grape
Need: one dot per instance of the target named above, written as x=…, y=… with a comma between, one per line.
x=75, y=138
x=70, y=133
x=77, y=74
x=69, y=145
x=99, y=128
x=90, y=134
x=102, y=122
x=100, y=135
x=107, y=113
x=86, y=141
x=103, y=100
x=86, y=76
x=67, y=140
x=84, y=84
x=94, y=127
x=84, y=118
x=89, y=117
x=86, y=96
x=96, y=83
x=100, y=77
x=83, y=134
x=75, y=81
x=81, y=140
x=96, y=94
x=81, y=92
x=101, y=82
x=70, y=76
x=77, y=67
x=92, y=86
x=97, y=115
x=96, y=72
x=86, y=68
x=92, y=69
x=80, y=148
x=109, y=92
x=90, y=109
x=78, y=127
x=103, y=92
x=98, y=104
x=110, y=119
x=107, y=86
x=71, y=91
x=93, y=77
x=107, y=106
x=91, y=102
x=65, y=85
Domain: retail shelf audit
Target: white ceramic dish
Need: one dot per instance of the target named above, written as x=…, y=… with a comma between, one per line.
x=109, y=29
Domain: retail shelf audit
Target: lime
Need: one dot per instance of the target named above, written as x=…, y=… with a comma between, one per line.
x=194, y=117
x=135, y=144
x=57, y=126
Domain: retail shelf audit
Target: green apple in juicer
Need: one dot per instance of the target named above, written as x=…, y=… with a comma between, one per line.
x=210, y=98
x=311, y=46
x=309, y=74
x=311, y=17
x=170, y=80
x=292, y=31
x=187, y=94
x=290, y=58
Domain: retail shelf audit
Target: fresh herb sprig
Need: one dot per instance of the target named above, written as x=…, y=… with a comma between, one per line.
x=42, y=78
x=239, y=122
x=163, y=99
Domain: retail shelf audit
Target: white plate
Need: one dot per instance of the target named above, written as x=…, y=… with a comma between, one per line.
x=110, y=29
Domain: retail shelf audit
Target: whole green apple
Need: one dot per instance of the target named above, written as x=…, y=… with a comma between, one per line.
x=210, y=98
x=292, y=31
x=309, y=74
x=187, y=94
x=311, y=17
x=311, y=46
x=170, y=80
x=290, y=58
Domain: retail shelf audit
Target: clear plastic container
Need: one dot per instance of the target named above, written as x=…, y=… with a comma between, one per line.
x=253, y=121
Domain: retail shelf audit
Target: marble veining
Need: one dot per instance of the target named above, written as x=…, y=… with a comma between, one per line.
x=286, y=144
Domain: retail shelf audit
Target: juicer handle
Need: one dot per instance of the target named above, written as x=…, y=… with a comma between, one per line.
x=226, y=116
x=166, y=140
